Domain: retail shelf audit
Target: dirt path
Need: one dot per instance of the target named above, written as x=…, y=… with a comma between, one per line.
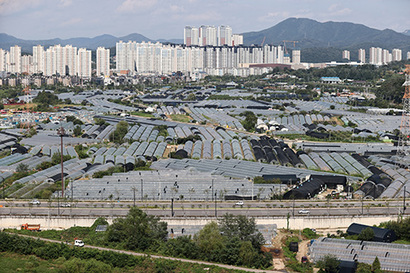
x=157, y=256
x=303, y=250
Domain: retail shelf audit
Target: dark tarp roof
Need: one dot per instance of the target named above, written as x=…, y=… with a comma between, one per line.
x=380, y=234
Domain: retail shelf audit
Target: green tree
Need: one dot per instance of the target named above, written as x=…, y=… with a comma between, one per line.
x=77, y=131
x=210, y=241
x=46, y=98
x=22, y=168
x=366, y=234
x=137, y=230
x=56, y=158
x=328, y=264
x=119, y=133
x=364, y=268
x=99, y=121
x=242, y=227
x=376, y=265
x=250, y=120
x=191, y=97
x=247, y=254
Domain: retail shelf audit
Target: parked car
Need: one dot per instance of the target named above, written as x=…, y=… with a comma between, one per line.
x=240, y=203
x=79, y=243
x=304, y=211
x=35, y=202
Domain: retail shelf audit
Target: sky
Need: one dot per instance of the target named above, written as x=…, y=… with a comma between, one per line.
x=166, y=19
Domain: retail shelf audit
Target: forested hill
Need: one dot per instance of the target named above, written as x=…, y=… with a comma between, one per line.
x=328, y=37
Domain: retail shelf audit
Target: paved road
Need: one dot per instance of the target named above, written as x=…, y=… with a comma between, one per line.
x=203, y=211
x=159, y=257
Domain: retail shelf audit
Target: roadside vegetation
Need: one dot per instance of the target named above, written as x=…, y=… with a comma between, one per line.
x=29, y=255
x=232, y=240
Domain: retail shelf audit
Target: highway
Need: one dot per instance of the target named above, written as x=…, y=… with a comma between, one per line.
x=205, y=209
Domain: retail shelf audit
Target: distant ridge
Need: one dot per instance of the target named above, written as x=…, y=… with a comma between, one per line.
x=323, y=42
x=319, y=42
x=105, y=40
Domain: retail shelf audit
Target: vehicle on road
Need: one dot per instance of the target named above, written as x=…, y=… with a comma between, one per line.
x=240, y=203
x=35, y=202
x=304, y=211
x=79, y=243
x=65, y=205
x=30, y=227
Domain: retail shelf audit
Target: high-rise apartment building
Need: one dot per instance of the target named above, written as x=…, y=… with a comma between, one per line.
x=346, y=54
x=2, y=60
x=224, y=35
x=125, y=56
x=397, y=55
x=362, y=55
x=27, y=64
x=50, y=66
x=208, y=36
x=38, y=59
x=375, y=56
x=296, y=56
x=103, y=61
x=70, y=60
x=408, y=55
x=84, y=63
x=191, y=36
x=14, y=65
x=386, y=57
x=237, y=39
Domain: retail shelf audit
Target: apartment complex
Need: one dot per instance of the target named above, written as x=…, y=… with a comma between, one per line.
x=55, y=60
x=379, y=56
x=165, y=59
x=211, y=36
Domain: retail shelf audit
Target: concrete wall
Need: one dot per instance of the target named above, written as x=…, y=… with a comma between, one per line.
x=320, y=223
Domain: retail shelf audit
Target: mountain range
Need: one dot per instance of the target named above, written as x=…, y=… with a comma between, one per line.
x=105, y=40
x=318, y=41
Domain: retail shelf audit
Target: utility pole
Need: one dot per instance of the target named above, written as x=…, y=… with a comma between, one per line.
x=216, y=213
x=134, y=195
x=72, y=191
x=58, y=203
x=142, y=190
x=212, y=194
x=361, y=199
x=402, y=148
x=172, y=207
x=61, y=133
x=404, y=200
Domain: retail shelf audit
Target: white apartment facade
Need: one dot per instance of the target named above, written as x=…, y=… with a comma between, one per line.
x=103, y=61
x=156, y=58
x=84, y=63
x=362, y=55
x=211, y=36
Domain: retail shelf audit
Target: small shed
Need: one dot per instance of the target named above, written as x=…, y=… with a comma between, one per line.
x=380, y=234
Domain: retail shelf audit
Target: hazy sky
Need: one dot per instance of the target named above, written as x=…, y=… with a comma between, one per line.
x=44, y=19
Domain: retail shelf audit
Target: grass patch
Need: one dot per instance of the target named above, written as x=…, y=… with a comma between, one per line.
x=403, y=242
x=20, y=106
x=180, y=118
x=142, y=114
x=11, y=262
